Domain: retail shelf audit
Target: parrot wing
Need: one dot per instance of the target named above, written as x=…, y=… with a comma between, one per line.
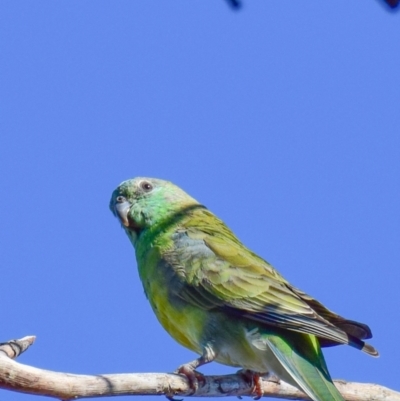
x=219, y=272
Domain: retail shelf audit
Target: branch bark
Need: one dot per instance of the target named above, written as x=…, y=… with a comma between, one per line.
x=65, y=386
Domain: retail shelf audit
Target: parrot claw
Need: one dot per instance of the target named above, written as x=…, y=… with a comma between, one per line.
x=189, y=369
x=193, y=376
x=254, y=380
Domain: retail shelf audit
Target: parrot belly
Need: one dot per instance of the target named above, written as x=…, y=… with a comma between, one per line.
x=183, y=322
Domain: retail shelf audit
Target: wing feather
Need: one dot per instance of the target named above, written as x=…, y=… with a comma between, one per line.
x=224, y=274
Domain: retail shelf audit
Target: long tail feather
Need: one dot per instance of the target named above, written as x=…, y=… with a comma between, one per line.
x=303, y=365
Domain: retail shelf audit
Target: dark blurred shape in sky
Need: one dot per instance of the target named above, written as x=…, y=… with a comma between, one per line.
x=392, y=3
x=234, y=3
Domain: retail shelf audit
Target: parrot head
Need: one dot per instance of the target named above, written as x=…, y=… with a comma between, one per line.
x=141, y=203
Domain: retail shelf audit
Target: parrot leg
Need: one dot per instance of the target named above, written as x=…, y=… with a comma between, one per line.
x=189, y=369
x=255, y=381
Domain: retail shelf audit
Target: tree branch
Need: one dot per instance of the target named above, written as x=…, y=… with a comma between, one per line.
x=65, y=386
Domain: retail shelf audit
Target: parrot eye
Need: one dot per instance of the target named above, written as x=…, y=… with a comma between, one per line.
x=146, y=186
x=120, y=199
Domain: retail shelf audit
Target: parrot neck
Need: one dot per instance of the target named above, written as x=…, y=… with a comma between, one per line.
x=151, y=234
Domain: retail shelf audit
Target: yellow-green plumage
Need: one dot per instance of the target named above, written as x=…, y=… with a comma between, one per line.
x=219, y=299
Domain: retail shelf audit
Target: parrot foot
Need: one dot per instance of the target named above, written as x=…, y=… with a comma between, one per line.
x=189, y=369
x=254, y=380
x=193, y=376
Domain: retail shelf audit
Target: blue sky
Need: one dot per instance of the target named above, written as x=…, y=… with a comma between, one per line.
x=281, y=118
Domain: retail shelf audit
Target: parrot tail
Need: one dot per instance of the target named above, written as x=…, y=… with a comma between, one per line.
x=298, y=360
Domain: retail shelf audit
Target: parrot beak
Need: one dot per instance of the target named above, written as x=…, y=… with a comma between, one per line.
x=121, y=208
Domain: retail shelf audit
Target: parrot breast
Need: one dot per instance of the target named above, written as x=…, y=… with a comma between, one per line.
x=183, y=321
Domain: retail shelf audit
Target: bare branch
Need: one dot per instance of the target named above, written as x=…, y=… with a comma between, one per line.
x=15, y=348
x=65, y=386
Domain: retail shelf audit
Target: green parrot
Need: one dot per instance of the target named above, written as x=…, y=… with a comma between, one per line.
x=219, y=299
